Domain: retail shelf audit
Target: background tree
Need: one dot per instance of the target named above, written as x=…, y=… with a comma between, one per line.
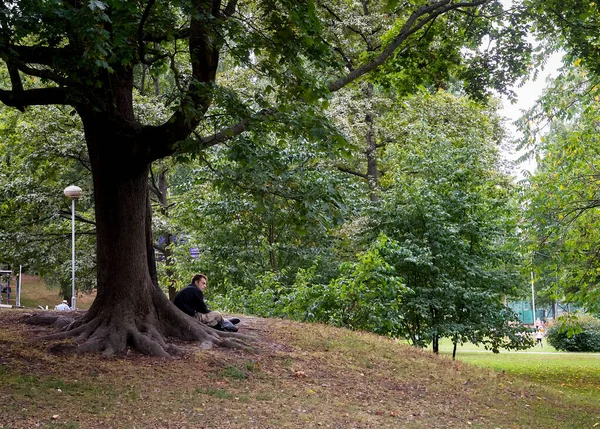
x=571, y=25
x=40, y=152
x=438, y=255
x=562, y=195
x=453, y=213
x=264, y=204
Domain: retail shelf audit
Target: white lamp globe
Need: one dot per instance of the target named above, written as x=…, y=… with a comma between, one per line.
x=73, y=191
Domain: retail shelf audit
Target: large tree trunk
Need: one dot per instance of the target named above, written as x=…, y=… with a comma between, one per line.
x=130, y=309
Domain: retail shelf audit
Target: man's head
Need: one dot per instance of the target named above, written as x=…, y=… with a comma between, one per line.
x=200, y=281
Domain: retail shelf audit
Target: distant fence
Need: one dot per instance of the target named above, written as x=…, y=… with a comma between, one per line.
x=525, y=312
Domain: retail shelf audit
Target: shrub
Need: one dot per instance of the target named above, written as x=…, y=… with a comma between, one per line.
x=575, y=334
x=264, y=300
x=365, y=295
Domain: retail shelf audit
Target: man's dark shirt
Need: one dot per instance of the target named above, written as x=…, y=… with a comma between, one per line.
x=190, y=300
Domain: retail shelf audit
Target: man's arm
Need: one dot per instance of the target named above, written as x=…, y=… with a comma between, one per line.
x=200, y=304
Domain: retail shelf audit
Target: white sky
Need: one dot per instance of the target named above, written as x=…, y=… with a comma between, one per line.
x=528, y=93
x=526, y=97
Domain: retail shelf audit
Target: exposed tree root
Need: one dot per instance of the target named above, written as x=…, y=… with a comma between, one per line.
x=110, y=332
x=46, y=319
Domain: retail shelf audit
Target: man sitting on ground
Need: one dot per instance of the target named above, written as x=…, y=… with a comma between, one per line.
x=190, y=300
x=63, y=306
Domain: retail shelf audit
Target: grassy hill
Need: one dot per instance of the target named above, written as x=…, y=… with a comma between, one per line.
x=294, y=376
x=34, y=292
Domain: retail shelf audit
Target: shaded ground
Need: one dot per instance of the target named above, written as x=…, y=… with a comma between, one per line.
x=295, y=376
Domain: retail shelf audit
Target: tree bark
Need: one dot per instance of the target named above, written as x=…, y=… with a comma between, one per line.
x=371, y=148
x=160, y=189
x=130, y=309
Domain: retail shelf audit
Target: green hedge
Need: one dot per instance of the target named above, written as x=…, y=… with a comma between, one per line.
x=575, y=334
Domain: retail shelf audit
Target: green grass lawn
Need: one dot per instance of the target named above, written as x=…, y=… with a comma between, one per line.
x=446, y=347
x=575, y=376
x=293, y=376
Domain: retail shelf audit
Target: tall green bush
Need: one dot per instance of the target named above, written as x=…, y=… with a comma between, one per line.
x=366, y=295
x=575, y=334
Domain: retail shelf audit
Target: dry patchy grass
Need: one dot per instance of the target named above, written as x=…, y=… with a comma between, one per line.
x=295, y=376
x=34, y=292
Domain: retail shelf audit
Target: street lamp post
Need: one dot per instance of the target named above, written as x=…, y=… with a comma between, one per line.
x=533, y=297
x=73, y=192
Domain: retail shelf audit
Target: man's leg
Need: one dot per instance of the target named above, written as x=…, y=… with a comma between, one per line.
x=211, y=319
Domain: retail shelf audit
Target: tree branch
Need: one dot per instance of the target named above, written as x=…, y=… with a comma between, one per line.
x=204, y=47
x=30, y=97
x=143, y=19
x=181, y=34
x=232, y=131
x=42, y=55
x=415, y=22
x=230, y=8
x=354, y=173
x=68, y=215
x=184, y=33
x=15, y=80
x=349, y=27
x=20, y=58
x=41, y=73
x=15, y=77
